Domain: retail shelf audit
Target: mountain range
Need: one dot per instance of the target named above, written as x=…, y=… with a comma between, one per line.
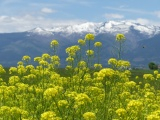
x=141, y=45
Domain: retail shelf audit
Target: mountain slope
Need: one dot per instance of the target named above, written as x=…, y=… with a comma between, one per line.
x=37, y=41
x=147, y=51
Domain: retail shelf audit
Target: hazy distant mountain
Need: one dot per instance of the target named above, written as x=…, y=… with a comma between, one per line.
x=141, y=47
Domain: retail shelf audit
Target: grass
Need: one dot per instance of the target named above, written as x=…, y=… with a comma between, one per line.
x=140, y=73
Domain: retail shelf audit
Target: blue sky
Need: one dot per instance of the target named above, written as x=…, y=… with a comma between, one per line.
x=22, y=15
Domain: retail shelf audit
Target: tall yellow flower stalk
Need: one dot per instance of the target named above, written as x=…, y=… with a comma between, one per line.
x=89, y=37
x=120, y=38
x=54, y=44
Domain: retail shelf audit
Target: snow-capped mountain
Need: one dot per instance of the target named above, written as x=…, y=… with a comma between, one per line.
x=37, y=41
x=103, y=27
x=40, y=31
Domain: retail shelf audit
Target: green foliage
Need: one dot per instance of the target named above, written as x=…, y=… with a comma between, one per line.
x=153, y=66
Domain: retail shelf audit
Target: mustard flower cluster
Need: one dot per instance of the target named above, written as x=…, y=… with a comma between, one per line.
x=54, y=43
x=49, y=115
x=71, y=51
x=99, y=66
x=89, y=116
x=2, y=70
x=50, y=93
x=89, y=36
x=120, y=37
x=81, y=99
x=148, y=77
x=97, y=44
x=118, y=64
x=121, y=112
x=89, y=52
x=81, y=42
x=26, y=58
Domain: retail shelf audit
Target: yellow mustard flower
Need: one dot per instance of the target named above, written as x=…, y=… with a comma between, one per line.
x=69, y=59
x=158, y=76
x=54, y=43
x=155, y=72
x=121, y=112
x=13, y=80
x=97, y=44
x=137, y=77
x=81, y=99
x=2, y=70
x=112, y=61
x=120, y=37
x=106, y=72
x=26, y=58
x=153, y=117
x=89, y=116
x=135, y=105
x=71, y=51
x=49, y=115
x=81, y=42
x=43, y=63
x=89, y=36
x=45, y=56
x=89, y=52
x=50, y=93
x=63, y=103
x=99, y=66
x=148, y=77
x=4, y=110
x=37, y=59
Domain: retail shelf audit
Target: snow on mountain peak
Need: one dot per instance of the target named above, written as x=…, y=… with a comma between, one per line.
x=79, y=28
x=40, y=31
x=96, y=28
x=37, y=29
x=125, y=26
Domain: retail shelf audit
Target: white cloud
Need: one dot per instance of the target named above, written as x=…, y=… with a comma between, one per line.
x=142, y=21
x=27, y=22
x=145, y=21
x=114, y=16
x=47, y=10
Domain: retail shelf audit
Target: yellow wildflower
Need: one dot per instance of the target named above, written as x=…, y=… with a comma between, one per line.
x=81, y=42
x=50, y=93
x=137, y=77
x=121, y=112
x=89, y=116
x=26, y=58
x=62, y=103
x=89, y=37
x=97, y=44
x=148, y=77
x=120, y=37
x=155, y=72
x=2, y=70
x=45, y=56
x=49, y=115
x=99, y=66
x=89, y=52
x=54, y=43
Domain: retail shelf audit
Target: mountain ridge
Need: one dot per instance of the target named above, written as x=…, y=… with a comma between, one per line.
x=36, y=41
x=102, y=27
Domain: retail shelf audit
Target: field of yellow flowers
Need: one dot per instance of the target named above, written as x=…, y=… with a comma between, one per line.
x=40, y=93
